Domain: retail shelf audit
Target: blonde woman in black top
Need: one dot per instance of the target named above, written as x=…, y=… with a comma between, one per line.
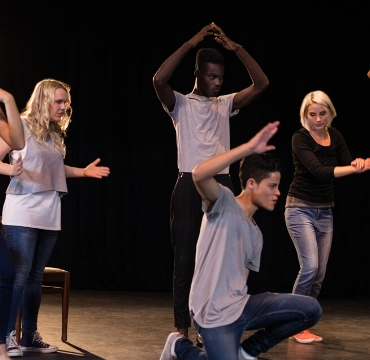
x=320, y=154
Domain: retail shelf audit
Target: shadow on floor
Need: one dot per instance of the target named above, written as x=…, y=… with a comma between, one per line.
x=64, y=354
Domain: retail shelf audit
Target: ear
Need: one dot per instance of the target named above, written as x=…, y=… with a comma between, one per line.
x=251, y=184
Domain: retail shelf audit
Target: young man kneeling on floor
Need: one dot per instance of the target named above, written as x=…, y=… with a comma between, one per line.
x=229, y=246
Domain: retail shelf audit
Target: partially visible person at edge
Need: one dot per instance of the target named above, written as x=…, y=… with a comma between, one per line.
x=229, y=247
x=201, y=120
x=32, y=208
x=320, y=155
x=11, y=131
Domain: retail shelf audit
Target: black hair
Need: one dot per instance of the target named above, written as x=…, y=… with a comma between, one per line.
x=258, y=167
x=208, y=55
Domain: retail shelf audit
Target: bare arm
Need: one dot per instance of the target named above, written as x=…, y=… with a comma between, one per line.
x=160, y=80
x=259, y=79
x=89, y=171
x=11, y=128
x=357, y=166
x=203, y=173
x=9, y=169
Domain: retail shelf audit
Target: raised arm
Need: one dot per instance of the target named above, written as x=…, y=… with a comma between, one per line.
x=259, y=79
x=203, y=173
x=11, y=128
x=90, y=170
x=160, y=80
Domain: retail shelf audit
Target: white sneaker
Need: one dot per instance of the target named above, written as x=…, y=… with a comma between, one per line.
x=12, y=348
x=243, y=355
x=168, y=352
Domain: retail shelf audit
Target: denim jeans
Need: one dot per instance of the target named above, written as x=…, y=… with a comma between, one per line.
x=312, y=232
x=30, y=250
x=7, y=275
x=275, y=316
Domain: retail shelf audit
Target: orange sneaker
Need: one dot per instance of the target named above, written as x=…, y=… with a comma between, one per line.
x=304, y=337
x=316, y=337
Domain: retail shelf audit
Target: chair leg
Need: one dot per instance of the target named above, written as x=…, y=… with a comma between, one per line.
x=18, y=326
x=65, y=306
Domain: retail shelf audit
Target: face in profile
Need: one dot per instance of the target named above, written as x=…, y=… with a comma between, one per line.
x=209, y=78
x=317, y=116
x=265, y=194
x=60, y=105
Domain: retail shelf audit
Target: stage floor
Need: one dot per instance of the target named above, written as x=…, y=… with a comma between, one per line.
x=131, y=326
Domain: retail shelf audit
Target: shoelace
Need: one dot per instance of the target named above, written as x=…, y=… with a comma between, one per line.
x=38, y=339
x=11, y=342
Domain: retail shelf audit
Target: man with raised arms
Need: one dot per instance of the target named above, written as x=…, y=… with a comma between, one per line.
x=229, y=246
x=201, y=120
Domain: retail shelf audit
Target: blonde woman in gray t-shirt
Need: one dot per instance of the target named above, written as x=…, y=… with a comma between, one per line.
x=32, y=209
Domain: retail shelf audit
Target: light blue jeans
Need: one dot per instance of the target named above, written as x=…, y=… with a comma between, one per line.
x=275, y=316
x=30, y=250
x=312, y=232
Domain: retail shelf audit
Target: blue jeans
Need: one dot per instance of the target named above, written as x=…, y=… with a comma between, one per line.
x=30, y=250
x=7, y=275
x=312, y=232
x=275, y=316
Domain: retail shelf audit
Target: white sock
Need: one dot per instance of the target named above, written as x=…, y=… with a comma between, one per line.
x=246, y=355
x=173, y=345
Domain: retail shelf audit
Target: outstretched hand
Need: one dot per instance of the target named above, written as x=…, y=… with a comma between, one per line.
x=258, y=144
x=222, y=39
x=94, y=171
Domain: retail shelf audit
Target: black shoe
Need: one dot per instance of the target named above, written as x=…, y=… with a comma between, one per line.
x=199, y=341
x=32, y=341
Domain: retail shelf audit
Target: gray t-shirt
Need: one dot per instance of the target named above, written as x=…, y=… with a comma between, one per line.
x=202, y=128
x=228, y=243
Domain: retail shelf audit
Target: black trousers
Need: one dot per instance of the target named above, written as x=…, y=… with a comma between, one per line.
x=186, y=217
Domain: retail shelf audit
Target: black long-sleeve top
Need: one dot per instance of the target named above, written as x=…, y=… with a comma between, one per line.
x=314, y=165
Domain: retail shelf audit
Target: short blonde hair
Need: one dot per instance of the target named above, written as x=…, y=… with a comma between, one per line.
x=316, y=97
x=36, y=113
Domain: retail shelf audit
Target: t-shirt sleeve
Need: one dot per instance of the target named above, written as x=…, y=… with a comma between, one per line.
x=302, y=149
x=228, y=100
x=253, y=262
x=225, y=196
x=179, y=101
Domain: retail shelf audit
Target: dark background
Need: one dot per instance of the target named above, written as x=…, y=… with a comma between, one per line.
x=115, y=232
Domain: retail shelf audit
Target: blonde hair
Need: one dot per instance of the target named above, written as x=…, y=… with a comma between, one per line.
x=316, y=97
x=36, y=114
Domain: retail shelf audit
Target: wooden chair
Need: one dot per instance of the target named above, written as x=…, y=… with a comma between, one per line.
x=55, y=281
